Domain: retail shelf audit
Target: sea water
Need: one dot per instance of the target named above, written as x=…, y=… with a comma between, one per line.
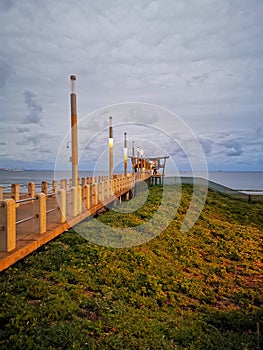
x=246, y=181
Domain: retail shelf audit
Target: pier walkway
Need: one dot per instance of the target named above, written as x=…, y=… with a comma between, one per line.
x=27, y=221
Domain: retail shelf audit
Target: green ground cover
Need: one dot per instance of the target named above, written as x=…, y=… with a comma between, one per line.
x=197, y=290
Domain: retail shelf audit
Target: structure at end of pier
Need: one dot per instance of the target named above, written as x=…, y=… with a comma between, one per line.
x=155, y=165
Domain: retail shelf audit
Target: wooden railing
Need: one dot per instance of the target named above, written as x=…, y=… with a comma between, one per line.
x=57, y=203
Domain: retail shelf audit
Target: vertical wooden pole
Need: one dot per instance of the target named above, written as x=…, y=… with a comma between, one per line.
x=7, y=225
x=44, y=187
x=80, y=189
x=133, y=160
x=61, y=198
x=138, y=159
x=31, y=189
x=74, y=198
x=54, y=186
x=74, y=133
x=40, y=208
x=15, y=192
x=110, y=149
x=125, y=155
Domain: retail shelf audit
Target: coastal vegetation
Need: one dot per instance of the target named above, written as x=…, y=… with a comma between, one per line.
x=197, y=290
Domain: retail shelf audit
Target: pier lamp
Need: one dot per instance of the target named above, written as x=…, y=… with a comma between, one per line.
x=110, y=149
x=133, y=160
x=74, y=132
x=142, y=160
x=138, y=158
x=125, y=154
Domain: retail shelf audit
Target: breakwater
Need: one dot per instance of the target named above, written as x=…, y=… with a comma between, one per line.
x=249, y=196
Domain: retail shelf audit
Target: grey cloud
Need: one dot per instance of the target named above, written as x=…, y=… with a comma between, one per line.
x=5, y=72
x=2, y=143
x=19, y=129
x=233, y=152
x=41, y=150
x=6, y=5
x=35, y=139
x=206, y=145
x=233, y=148
x=259, y=131
x=35, y=109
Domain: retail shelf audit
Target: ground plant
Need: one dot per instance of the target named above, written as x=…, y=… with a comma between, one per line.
x=197, y=290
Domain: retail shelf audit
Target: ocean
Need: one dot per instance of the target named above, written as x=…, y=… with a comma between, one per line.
x=245, y=181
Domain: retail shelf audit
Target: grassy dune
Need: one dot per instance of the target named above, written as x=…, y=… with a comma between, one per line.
x=198, y=290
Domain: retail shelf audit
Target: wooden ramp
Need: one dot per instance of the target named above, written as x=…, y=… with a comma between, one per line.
x=33, y=225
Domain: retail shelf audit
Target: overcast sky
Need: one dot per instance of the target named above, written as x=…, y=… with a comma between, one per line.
x=199, y=59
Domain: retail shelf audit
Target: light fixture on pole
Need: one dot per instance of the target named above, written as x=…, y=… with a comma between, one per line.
x=110, y=149
x=142, y=160
x=125, y=155
x=133, y=160
x=138, y=159
x=74, y=132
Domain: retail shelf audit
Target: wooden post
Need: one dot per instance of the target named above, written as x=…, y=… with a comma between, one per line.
x=61, y=198
x=15, y=192
x=115, y=184
x=31, y=189
x=44, y=187
x=94, y=194
x=39, y=208
x=62, y=184
x=74, y=198
x=106, y=189
x=7, y=225
x=79, y=200
x=1, y=193
x=102, y=191
x=86, y=196
x=54, y=186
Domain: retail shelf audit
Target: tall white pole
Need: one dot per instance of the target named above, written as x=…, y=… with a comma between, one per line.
x=125, y=155
x=74, y=133
x=138, y=159
x=110, y=149
x=133, y=159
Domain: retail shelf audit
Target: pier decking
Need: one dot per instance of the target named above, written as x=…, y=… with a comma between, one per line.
x=27, y=221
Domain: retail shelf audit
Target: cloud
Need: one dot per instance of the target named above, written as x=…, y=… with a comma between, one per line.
x=6, y=5
x=206, y=145
x=35, y=109
x=5, y=73
x=202, y=60
x=259, y=131
x=19, y=129
x=35, y=140
x=233, y=148
x=2, y=143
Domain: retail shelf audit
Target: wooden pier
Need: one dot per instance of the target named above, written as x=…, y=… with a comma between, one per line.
x=27, y=221
x=30, y=220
